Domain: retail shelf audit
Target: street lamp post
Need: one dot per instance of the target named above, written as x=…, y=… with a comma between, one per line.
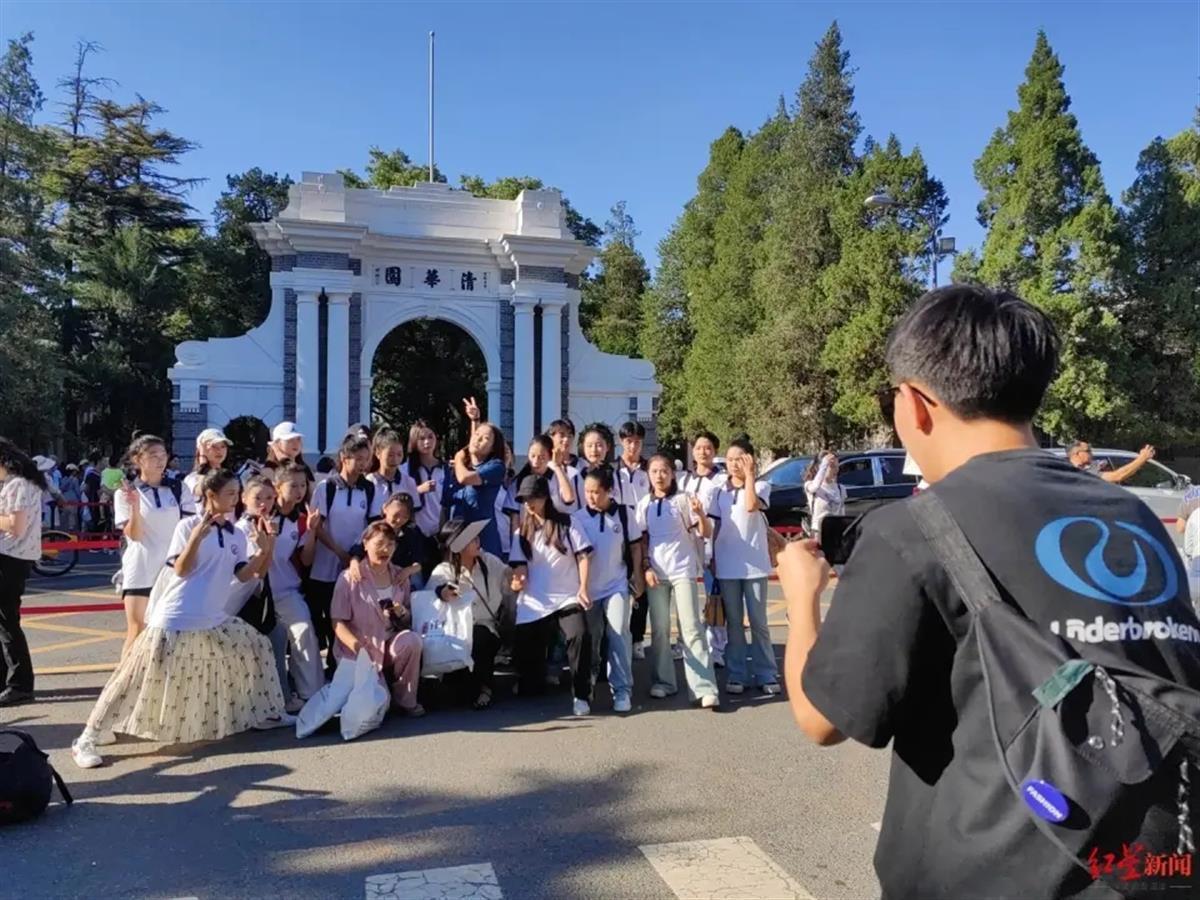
x=936, y=246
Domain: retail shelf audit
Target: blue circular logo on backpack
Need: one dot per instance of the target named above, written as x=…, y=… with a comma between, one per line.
x=1045, y=800
x=1097, y=580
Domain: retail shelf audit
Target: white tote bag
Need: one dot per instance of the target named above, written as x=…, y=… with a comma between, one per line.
x=368, y=702
x=328, y=701
x=446, y=632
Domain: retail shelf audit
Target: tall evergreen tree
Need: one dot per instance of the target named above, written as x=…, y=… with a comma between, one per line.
x=1159, y=309
x=610, y=307
x=666, y=332
x=1053, y=238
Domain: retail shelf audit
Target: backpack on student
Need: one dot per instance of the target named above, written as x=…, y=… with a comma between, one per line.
x=1099, y=755
x=366, y=484
x=26, y=778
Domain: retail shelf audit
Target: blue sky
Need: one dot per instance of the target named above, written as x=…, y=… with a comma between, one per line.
x=610, y=100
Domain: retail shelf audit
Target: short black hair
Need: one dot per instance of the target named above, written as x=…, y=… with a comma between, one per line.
x=708, y=436
x=565, y=426
x=632, y=429
x=353, y=443
x=325, y=464
x=742, y=442
x=986, y=354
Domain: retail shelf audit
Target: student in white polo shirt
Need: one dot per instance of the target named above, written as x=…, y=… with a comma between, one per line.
x=670, y=521
x=615, y=564
x=701, y=481
x=388, y=473
x=562, y=479
x=195, y=673
x=742, y=563
x=631, y=483
x=347, y=502
x=428, y=472
x=549, y=557
x=287, y=446
x=212, y=450
x=146, y=512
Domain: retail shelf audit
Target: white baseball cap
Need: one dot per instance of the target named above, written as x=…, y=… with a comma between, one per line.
x=44, y=463
x=285, y=431
x=212, y=436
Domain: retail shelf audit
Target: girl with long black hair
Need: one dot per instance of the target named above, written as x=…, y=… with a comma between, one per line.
x=21, y=486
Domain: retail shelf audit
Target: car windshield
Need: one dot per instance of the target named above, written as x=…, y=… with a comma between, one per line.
x=788, y=473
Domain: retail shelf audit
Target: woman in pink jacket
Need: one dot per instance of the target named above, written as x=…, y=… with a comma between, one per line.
x=374, y=613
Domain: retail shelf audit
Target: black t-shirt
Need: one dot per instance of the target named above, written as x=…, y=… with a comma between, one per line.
x=1081, y=557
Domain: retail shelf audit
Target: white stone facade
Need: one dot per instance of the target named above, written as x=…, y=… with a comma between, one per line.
x=351, y=265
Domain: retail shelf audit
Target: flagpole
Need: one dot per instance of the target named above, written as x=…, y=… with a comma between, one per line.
x=431, y=107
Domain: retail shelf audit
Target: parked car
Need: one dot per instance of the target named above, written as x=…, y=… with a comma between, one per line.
x=1159, y=488
x=871, y=478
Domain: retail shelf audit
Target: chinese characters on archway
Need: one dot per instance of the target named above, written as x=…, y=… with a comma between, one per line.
x=467, y=281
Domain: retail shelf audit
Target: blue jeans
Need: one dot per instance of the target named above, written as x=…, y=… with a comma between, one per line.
x=742, y=597
x=684, y=595
x=610, y=615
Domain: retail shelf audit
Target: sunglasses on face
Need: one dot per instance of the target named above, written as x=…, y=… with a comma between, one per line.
x=887, y=402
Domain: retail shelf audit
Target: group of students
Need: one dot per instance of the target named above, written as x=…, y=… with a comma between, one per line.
x=233, y=586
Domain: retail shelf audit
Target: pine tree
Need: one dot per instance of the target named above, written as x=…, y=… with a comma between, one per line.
x=30, y=383
x=666, y=332
x=1159, y=310
x=1053, y=239
x=610, y=306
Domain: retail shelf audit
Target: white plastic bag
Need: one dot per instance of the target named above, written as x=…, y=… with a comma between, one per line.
x=446, y=631
x=368, y=702
x=327, y=702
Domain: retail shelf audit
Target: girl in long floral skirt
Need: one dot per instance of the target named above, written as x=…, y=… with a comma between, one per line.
x=196, y=673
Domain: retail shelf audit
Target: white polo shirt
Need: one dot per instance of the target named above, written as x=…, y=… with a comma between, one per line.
x=197, y=601
x=399, y=483
x=670, y=526
x=553, y=582
x=282, y=573
x=607, y=573
x=142, y=559
x=429, y=506
x=512, y=506
x=630, y=485
x=740, y=544
x=346, y=519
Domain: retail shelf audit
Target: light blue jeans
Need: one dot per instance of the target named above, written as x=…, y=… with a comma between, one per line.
x=686, y=597
x=748, y=597
x=610, y=615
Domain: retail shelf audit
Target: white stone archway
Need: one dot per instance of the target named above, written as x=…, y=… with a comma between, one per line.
x=349, y=265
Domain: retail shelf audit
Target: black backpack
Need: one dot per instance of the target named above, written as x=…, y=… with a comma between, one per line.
x=26, y=778
x=1098, y=756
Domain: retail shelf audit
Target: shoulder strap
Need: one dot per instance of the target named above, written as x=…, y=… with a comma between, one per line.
x=369, y=490
x=953, y=550
x=330, y=494
x=177, y=492
x=626, y=553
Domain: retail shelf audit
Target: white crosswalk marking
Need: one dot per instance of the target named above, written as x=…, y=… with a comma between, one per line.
x=720, y=869
x=473, y=882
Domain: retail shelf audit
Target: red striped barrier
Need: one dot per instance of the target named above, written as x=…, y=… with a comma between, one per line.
x=72, y=608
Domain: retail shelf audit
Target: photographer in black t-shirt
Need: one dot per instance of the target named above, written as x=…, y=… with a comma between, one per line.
x=892, y=661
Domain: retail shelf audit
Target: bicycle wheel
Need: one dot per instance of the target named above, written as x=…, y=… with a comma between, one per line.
x=56, y=562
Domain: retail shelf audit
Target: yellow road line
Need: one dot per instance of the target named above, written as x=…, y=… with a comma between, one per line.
x=67, y=645
x=39, y=625
x=116, y=598
x=76, y=670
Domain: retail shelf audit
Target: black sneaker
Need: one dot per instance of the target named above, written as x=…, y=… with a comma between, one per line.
x=12, y=696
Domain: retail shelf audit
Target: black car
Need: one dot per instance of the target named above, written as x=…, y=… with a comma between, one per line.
x=870, y=477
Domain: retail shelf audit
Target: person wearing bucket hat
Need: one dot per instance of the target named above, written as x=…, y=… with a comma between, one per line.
x=469, y=571
x=550, y=559
x=212, y=449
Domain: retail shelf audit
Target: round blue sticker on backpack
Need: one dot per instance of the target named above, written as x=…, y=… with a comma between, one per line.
x=1046, y=800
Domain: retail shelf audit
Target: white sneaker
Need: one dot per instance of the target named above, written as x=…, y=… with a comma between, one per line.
x=658, y=692
x=582, y=707
x=639, y=651
x=286, y=720
x=735, y=687
x=677, y=651
x=622, y=703
x=709, y=701
x=83, y=751
x=772, y=688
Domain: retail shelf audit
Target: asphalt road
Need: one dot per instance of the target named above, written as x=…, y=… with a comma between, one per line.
x=521, y=801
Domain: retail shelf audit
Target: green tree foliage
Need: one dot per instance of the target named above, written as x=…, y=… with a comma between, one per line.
x=581, y=227
x=666, y=332
x=394, y=169
x=1053, y=237
x=30, y=374
x=1159, y=305
x=610, y=307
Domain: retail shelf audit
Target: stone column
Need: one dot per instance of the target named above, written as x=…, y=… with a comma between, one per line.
x=337, y=378
x=523, y=386
x=551, y=363
x=308, y=368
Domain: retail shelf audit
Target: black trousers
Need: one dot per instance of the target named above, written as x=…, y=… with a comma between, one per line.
x=484, y=647
x=533, y=639
x=18, y=665
x=319, y=597
x=637, y=620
